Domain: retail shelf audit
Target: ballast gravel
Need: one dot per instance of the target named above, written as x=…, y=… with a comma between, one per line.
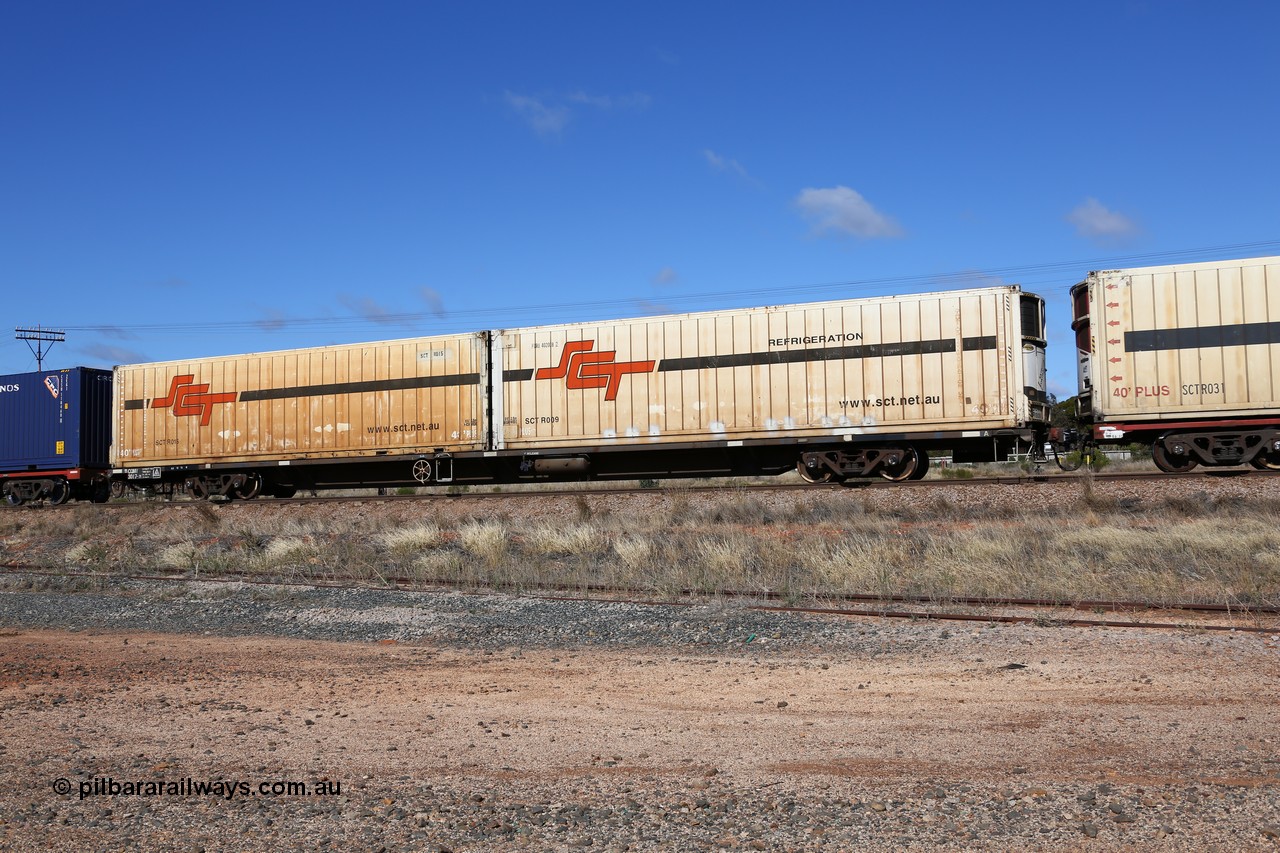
x=186, y=716
x=445, y=618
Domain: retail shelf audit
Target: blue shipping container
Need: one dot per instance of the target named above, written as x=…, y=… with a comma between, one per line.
x=55, y=420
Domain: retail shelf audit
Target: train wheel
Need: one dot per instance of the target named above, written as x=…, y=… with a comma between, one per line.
x=1266, y=461
x=12, y=499
x=815, y=476
x=923, y=467
x=283, y=492
x=906, y=467
x=1173, y=463
x=251, y=488
x=59, y=493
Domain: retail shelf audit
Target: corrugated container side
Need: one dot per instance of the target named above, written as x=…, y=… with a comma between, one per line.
x=933, y=361
x=1186, y=339
x=387, y=397
x=54, y=419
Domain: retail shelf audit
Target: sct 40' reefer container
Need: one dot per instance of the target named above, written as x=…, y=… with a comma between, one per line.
x=361, y=414
x=55, y=435
x=835, y=389
x=1186, y=357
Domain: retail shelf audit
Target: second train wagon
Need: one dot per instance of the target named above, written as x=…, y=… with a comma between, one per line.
x=868, y=383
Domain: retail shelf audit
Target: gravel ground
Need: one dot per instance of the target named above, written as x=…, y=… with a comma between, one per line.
x=465, y=722
x=449, y=619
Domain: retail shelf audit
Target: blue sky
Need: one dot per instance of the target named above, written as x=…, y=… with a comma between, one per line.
x=182, y=179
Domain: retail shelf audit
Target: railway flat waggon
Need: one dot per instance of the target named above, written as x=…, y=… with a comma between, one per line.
x=1186, y=357
x=55, y=435
x=836, y=389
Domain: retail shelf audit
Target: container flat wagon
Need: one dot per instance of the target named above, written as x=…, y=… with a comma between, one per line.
x=55, y=435
x=835, y=389
x=1186, y=357
x=369, y=414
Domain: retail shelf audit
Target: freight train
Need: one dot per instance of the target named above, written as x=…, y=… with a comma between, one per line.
x=835, y=390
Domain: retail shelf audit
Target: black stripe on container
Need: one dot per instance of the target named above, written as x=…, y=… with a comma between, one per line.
x=978, y=342
x=1202, y=337
x=517, y=375
x=793, y=356
x=361, y=387
x=134, y=404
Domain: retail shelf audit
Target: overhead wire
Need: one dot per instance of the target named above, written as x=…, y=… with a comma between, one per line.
x=1030, y=276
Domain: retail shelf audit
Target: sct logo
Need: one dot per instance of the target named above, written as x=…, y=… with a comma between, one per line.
x=581, y=368
x=188, y=399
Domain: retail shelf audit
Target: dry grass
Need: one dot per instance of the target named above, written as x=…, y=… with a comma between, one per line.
x=553, y=540
x=484, y=540
x=1185, y=546
x=182, y=555
x=411, y=540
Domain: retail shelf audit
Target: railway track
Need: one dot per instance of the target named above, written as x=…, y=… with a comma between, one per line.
x=1171, y=616
x=687, y=487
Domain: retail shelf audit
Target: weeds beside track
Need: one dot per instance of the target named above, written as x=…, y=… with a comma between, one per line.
x=1142, y=544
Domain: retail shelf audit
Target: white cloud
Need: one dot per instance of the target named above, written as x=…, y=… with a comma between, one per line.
x=845, y=211
x=549, y=115
x=545, y=120
x=1098, y=223
x=723, y=164
x=666, y=276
